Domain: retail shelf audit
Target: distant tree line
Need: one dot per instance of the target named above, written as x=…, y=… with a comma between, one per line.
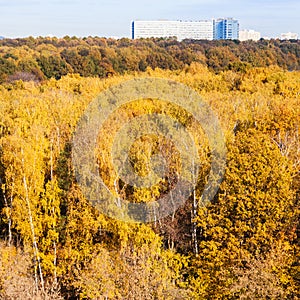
x=44, y=57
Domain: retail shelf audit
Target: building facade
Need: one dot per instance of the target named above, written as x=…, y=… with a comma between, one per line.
x=245, y=35
x=289, y=36
x=180, y=29
x=226, y=29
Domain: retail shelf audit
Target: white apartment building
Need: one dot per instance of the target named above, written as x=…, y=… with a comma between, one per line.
x=245, y=35
x=197, y=30
x=289, y=36
x=180, y=29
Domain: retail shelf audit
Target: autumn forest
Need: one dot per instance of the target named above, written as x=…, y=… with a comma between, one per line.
x=242, y=244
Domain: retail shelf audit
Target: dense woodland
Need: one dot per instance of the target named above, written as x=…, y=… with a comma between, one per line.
x=244, y=244
x=43, y=58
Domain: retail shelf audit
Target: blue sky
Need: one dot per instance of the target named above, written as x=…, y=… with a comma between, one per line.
x=22, y=18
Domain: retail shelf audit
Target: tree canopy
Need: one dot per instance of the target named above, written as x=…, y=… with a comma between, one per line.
x=55, y=244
